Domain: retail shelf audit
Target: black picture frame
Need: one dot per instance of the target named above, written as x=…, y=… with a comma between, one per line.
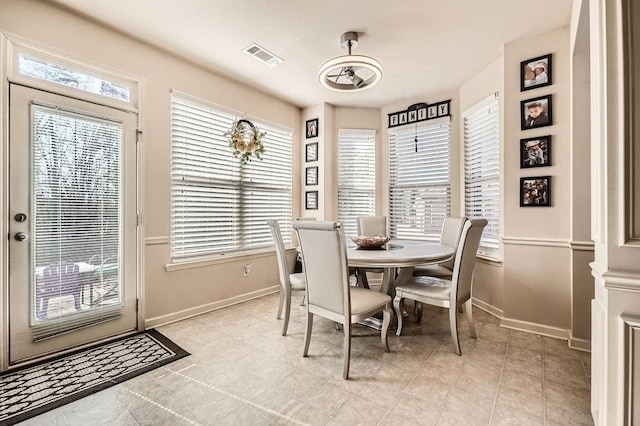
x=535, y=152
x=536, y=72
x=311, y=176
x=535, y=191
x=542, y=106
x=311, y=128
x=311, y=152
x=311, y=200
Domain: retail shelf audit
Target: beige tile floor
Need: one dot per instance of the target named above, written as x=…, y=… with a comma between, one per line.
x=243, y=372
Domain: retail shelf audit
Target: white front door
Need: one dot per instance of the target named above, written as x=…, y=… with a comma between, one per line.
x=72, y=222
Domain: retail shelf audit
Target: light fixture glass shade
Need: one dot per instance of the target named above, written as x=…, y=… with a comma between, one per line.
x=350, y=73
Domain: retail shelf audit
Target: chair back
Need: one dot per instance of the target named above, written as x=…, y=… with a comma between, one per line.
x=450, y=236
x=324, y=257
x=61, y=277
x=283, y=266
x=466, y=260
x=372, y=225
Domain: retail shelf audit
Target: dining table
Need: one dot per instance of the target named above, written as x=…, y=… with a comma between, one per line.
x=397, y=259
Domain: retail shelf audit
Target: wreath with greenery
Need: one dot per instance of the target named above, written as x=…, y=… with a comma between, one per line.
x=245, y=140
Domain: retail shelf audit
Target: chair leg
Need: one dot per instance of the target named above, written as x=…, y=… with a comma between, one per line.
x=453, y=323
x=77, y=298
x=386, y=320
x=304, y=296
x=307, y=334
x=467, y=308
x=361, y=275
x=419, y=313
x=280, y=304
x=287, y=312
x=347, y=349
x=397, y=305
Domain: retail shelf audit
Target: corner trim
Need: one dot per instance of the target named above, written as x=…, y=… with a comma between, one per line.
x=580, y=344
x=487, y=307
x=208, y=307
x=150, y=241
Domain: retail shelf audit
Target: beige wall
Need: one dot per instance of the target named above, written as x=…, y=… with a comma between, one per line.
x=168, y=295
x=533, y=286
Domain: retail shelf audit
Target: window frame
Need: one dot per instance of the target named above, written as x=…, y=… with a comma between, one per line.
x=350, y=225
x=237, y=179
x=429, y=128
x=490, y=250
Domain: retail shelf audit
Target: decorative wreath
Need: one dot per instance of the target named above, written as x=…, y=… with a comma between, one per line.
x=245, y=140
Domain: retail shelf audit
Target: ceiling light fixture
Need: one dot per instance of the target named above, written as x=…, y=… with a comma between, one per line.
x=350, y=73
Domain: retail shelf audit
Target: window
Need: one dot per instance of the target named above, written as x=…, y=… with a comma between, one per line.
x=356, y=176
x=419, y=181
x=482, y=170
x=80, y=80
x=219, y=205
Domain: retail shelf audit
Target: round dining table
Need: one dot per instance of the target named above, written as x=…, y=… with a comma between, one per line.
x=397, y=259
x=398, y=254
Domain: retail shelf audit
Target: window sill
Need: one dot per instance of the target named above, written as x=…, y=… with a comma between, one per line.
x=493, y=261
x=222, y=258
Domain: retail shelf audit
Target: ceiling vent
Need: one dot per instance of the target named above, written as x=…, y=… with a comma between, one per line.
x=263, y=55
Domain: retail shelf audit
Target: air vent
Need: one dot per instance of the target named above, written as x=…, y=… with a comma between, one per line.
x=263, y=55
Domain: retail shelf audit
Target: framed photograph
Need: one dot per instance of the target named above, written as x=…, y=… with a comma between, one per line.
x=535, y=152
x=311, y=153
x=535, y=72
x=311, y=176
x=535, y=191
x=311, y=200
x=312, y=128
x=536, y=112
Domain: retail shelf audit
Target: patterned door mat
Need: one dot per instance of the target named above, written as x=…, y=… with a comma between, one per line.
x=35, y=389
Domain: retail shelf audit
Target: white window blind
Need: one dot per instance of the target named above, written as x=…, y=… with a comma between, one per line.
x=219, y=205
x=356, y=176
x=482, y=170
x=419, y=179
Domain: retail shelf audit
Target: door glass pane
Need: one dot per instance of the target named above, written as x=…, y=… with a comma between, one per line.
x=77, y=232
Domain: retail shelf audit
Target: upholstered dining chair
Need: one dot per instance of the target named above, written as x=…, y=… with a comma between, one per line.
x=450, y=236
x=445, y=293
x=369, y=226
x=289, y=283
x=329, y=294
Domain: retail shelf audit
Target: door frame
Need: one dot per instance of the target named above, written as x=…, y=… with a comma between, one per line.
x=10, y=47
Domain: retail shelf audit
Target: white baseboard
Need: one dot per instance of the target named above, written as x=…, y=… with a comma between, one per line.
x=530, y=327
x=197, y=310
x=487, y=307
x=580, y=344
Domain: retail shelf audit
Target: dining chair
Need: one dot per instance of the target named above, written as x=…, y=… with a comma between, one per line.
x=449, y=294
x=449, y=236
x=370, y=226
x=289, y=283
x=329, y=295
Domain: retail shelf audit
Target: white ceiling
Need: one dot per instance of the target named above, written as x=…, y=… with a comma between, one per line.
x=424, y=46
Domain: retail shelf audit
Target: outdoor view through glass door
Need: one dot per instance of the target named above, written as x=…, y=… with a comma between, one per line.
x=72, y=203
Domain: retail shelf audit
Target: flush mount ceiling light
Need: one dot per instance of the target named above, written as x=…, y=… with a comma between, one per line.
x=350, y=73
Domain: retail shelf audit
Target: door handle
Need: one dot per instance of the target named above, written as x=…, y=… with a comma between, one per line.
x=21, y=236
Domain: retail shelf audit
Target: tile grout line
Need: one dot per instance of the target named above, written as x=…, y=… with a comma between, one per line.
x=473, y=346
x=544, y=382
x=411, y=381
x=504, y=362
